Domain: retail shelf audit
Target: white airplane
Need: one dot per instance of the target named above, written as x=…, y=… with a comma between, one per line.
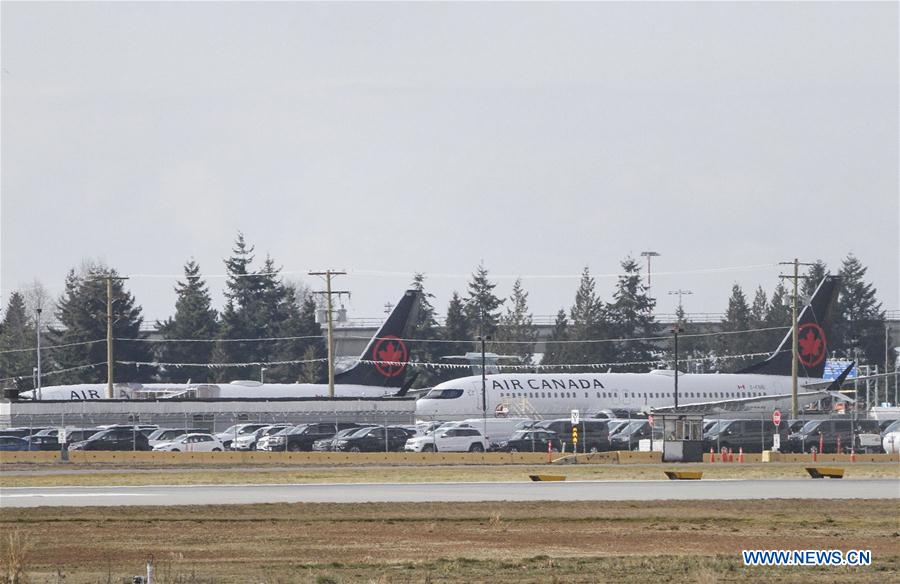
x=762, y=387
x=378, y=373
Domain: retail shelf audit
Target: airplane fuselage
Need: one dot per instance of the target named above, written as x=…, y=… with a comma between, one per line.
x=551, y=394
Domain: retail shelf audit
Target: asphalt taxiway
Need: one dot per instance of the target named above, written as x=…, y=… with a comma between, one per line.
x=165, y=495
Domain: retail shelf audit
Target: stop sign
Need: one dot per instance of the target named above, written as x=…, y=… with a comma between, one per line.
x=776, y=417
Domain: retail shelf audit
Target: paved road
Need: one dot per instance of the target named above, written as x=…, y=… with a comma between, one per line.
x=431, y=492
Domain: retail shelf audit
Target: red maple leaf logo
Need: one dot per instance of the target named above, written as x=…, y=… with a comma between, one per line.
x=812, y=345
x=391, y=355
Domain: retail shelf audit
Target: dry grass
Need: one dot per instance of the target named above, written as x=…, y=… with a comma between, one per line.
x=86, y=476
x=14, y=556
x=657, y=541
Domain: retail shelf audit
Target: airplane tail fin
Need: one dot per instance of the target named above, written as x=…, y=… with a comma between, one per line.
x=814, y=326
x=383, y=363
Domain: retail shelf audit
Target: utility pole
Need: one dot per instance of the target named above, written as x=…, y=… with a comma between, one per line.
x=328, y=293
x=38, y=380
x=794, y=332
x=109, y=330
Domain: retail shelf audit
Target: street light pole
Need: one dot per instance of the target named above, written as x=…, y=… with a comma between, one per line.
x=680, y=293
x=648, y=255
x=38, y=380
x=676, y=328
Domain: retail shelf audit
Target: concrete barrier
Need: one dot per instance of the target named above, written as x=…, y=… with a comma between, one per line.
x=277, y=458
x=807, y=458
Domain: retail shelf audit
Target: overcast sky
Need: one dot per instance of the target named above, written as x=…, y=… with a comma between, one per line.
x=391, y=138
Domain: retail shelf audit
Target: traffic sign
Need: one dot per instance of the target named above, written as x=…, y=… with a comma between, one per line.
x=776, y=418
x=575, y=417
x=61, y=436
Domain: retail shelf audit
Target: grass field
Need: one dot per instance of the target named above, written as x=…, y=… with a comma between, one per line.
x=87, y=475
x=627, y=542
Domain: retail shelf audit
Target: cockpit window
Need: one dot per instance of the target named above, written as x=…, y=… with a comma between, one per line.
x=444, y=394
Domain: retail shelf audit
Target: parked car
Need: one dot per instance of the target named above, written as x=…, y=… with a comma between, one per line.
x=163, y=435
x=449, y=439
x=749, y=435
x=593, y=434
x=145, y=429
x=532, y=441
x=891, y=442
x=14, y=443
x=849, y=432
x=327, y=444
x=302, y=438
x=249, y=441
x=195, y=442
x=78, y=434
x=22, y=432
x=374, y=439
x=232, y=433
x=42, y=442
x=495, y=430
x=892, y=426
x=114, y=439
x=629, y=436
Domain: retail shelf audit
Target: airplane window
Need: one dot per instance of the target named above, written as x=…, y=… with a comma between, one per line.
x=444, y=393
x=542, y=394
x=704, y=393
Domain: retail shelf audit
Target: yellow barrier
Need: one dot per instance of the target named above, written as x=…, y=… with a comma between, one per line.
x=786, y=457
x=684, y=475
x=538, y=478
x=825, y=472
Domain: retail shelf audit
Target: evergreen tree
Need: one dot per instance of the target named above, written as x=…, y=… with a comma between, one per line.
x=300, y=339
x=778, y=315
x=737, y=318
x=17, y=332
x=82, y=313
x=517, y=325
x=859, y=325
x=757, y=342
x=557, y=347
x=194, y=319
x=588, y=323
x=814, y=276
x=425, y=330
x=457, y=326
x=241, y=316
x=631, y=316
x=482, y=305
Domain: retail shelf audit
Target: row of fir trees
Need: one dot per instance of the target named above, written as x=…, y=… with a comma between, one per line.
x=269, y=322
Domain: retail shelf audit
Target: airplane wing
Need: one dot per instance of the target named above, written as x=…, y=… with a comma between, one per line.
x=834, y=385
x=766, y=403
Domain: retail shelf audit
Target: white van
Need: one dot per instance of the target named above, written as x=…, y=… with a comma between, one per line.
x=495, y=430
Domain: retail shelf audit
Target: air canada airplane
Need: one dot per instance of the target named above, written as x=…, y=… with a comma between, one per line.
x=760, y=387
x=379, y=372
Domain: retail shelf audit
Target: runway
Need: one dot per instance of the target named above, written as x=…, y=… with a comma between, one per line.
x=449, y=492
